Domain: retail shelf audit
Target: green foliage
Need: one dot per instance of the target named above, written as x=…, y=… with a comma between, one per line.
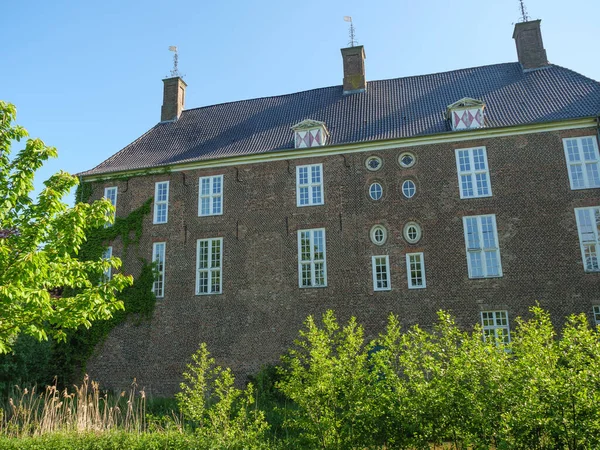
x=25, y=365
x=328, y=375
x=39, y=241
x=107, y=441
x=445, y=387
x=223, y=415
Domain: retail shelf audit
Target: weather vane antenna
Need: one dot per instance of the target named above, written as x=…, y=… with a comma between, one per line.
x=175, y=70
x=353, y=41
x=524, y=15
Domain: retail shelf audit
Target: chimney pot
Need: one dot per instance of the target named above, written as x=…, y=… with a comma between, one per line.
x=173, y=99
x=354, y=69
x=530, y=48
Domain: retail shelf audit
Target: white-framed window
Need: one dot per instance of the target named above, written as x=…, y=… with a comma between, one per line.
x=588, y=227
x=309, y=185
x=412, y=232
x=161, y=202
x=406, y=160
x=381, y=273
x=210, y=198
x=375, y=191
x=107, y=275
x=583, y=162
x=110, y=193
x=473, y=173
x=481, y=241
x=158, y=257
x=596, y=315
x=415, y=271
x=378, y=234
x=495, y=326
x=373, y=163
x=209, y=263
x=312, y=264
x=409, y=189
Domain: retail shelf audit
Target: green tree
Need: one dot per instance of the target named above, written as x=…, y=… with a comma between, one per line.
x=331, y=378
x=39, y=242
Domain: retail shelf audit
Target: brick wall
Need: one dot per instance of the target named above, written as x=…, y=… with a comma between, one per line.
x=261, y=309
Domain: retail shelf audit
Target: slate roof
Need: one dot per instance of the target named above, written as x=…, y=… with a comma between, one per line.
x=389, y=109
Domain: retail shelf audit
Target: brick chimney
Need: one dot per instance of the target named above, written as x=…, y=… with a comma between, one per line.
x=530, y=48
x=354, y=69
x=173, y=99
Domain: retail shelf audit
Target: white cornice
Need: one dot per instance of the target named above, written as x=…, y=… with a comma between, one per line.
x=329, y=150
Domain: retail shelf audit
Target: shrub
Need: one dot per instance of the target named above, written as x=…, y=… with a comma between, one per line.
x=223, y=416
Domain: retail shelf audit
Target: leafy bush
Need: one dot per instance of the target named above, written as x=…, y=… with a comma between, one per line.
x=223, y=416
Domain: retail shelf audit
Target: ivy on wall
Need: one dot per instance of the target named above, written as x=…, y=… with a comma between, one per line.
x=67, y=360
x=138, y=299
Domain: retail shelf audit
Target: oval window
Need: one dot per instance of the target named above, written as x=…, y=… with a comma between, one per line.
x=375, y=191
x=412, y=232
x=407, y=159
x=409, y=189
x=374, y=163
x=378, y=234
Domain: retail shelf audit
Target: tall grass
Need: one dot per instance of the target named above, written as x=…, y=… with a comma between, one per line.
x=86, y=408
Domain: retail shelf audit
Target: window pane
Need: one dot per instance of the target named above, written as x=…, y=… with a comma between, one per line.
x=487, y=231
x=491, y=262
x=467, y=185
x=316, y=194
x=205, y=186
x=482, y=184
x=478, y=159
x=216, y=185
x=463, y=158
x=315, y=174
x=472, y=233
x=572, y=150
x=303, y=175
x=476, y=265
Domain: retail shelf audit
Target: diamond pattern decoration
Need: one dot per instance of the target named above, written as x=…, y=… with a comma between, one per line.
x=467, y=119
x=309, y=138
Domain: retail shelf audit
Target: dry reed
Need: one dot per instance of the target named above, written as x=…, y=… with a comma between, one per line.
x=85, y=409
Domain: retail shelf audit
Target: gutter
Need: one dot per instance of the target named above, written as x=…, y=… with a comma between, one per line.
x=357, y=147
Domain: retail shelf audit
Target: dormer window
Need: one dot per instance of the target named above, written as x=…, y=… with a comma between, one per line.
x=466, y=114
x=310, y=133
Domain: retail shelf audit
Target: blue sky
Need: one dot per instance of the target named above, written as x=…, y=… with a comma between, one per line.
x=86, y=75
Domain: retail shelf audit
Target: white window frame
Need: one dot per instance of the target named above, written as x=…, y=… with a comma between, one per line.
x=473, y=173
x=497, y=318
x=410, y=259
x=310, y=185
x=212, y=197
x=159, y=269
x=107, y=275
x=111, y=199
x=311, y=262
x=483, y=251
x=593, y=216
x=159, y=203
x=596, y=313
x=210, y=270
x=587, y=183
x=386, y=284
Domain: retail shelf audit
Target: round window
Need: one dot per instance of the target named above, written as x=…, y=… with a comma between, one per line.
x=374, y=163
x=409, y=189
x=375, y=191
x=378, y=234
x=412, y=232
x=407, y=159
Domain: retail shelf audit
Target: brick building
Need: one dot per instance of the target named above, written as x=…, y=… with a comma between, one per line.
x=475, y=191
